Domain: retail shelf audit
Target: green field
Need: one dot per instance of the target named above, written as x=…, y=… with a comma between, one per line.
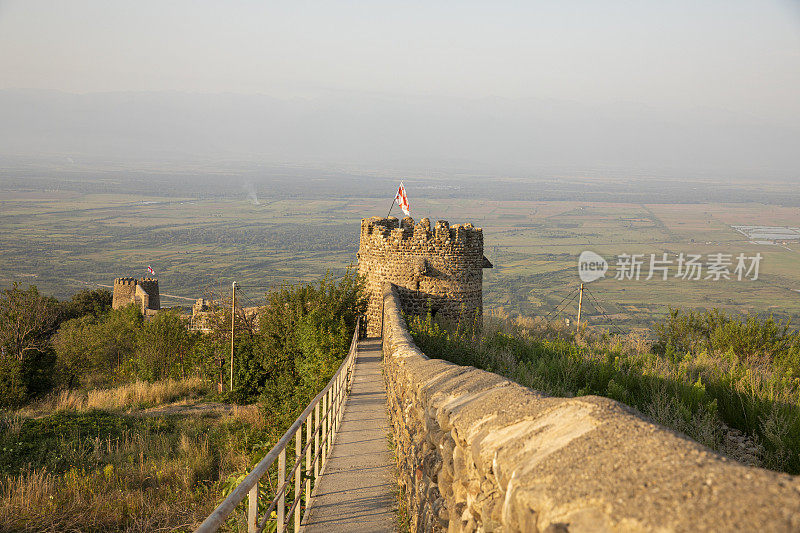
x=64, y=240
x=536, y=257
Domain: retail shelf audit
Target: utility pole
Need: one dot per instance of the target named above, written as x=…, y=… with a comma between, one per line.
x=580, y=305
x=233, y=320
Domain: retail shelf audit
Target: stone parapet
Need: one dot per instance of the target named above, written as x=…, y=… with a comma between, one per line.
x=477, y=452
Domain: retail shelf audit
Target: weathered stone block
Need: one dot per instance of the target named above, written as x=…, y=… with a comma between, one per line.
x=479, y=453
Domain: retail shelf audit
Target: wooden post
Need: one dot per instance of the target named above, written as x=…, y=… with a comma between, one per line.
x=282, y=491
x=324, y=435
x=331, y=407
x=335, y=414
x=317, y=458
x=329, y=401
x=252, y=509
x=580, y=305
x=233, y=321
x=298, y=472
x=332, y=426
x=309, y=472
x=340, y=400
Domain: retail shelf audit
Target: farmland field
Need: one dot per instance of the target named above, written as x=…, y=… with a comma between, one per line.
x=65, y=238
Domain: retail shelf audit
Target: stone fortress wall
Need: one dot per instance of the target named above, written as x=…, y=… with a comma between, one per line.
x=437, y=269
x=477, y=452
x=143, y=292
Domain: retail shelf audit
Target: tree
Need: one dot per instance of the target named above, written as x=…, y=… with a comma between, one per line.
x=95, y=348
x=27, y=321
x=306, y=332
x=163, y=347
x=85, y=302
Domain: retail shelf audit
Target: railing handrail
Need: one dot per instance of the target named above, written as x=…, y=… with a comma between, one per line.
x=237, y=496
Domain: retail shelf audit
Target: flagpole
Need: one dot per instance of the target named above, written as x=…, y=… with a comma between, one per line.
x=392, y=207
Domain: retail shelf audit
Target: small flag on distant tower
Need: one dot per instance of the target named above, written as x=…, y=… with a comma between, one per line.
x=150, y=269
x=402, y=200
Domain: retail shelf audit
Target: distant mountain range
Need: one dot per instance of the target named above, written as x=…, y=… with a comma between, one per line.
x=485, y=135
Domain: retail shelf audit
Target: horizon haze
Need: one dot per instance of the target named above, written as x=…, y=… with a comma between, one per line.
x=518, y=89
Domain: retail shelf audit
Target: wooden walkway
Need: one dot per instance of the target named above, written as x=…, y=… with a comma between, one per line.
x=356, y=492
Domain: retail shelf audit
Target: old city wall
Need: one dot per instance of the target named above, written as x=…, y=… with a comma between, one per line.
x=143, y=292
x=124, y=292
x=150, y=286
x=477, y=452
x=437, y=269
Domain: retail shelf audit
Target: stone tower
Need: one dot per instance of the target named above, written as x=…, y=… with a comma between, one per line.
x=143, y=292
x=439, y=269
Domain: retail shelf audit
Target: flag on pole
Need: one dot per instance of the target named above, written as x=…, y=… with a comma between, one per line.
x=402, y=200
x=150, y=269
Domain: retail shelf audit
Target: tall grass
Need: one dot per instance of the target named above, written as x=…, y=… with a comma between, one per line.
x=746, y=409
x=138, y=394
x=99, y=471
x=142, y=482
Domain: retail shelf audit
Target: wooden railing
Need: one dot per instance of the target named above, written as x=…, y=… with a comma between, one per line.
x=321, y=419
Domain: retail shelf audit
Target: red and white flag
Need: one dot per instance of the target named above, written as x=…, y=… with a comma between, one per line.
x=402, y=200
x=150, y=269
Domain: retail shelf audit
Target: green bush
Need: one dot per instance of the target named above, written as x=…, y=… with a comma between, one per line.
x=306, y=331
x=749, y=338
x=163, y=349
x=27, y=321
x=86, y=302
x=693, y=391
x=93, y=349
x=303, y=333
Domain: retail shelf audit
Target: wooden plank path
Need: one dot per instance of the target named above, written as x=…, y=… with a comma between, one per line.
x=356, y=491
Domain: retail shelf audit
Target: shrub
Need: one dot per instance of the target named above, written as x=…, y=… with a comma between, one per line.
x=702, y=392
x=306, y=332
x=749, y=338
x=27, y=320
x=92, y=349
x=86, y=302
x=163, y=349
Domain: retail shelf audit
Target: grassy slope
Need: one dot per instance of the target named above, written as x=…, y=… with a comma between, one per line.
x=89, y=469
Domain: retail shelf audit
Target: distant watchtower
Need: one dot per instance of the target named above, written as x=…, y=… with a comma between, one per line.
x=439, y=269
x=143, y=292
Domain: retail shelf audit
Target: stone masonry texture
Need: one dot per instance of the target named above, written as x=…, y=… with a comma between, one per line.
x=143, y=292
x=476, y=452
x=435, y=269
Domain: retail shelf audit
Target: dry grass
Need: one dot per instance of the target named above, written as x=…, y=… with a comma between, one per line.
x=143, y=393
x=248, y=414
x=145, y=482
x=138, y=394
x=156, y=475
x=11, y=423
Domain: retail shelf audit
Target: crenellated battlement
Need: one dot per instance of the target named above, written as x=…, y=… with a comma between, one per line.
x=392, y=229
x=143, y=292
x=438, y=269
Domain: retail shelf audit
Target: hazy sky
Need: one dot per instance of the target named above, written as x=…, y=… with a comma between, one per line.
x=727, y=53
x=741, y=56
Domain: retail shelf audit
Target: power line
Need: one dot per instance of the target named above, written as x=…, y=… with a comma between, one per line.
x=565, y=307
x=598, y=307
x=248, y=299
x=246, y=296
x=574, y=294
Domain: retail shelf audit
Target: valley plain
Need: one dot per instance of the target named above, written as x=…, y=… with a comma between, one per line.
x=66, y=235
